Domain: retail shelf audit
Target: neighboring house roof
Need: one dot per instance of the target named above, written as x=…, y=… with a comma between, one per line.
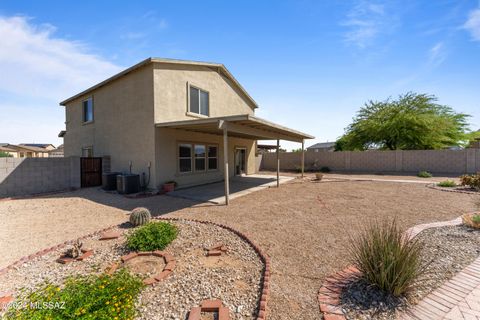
x=322, y=145
x=37, y=145
x=218, y=66
x=28, y=148
x=266, y=146
x=5, y=149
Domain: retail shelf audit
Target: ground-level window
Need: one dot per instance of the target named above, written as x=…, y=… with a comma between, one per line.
x=87, y=110
x=200, y=157
x=185, y=157
x=199, y=101
x=22, y=155
x=87, y=152
x=212, y=158
x=197, y=157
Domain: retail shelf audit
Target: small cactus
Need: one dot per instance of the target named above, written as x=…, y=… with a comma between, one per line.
x=140, y=216
x=75, y=251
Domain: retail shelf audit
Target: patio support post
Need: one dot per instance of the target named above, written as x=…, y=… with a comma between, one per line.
x=225, y=162
x=278, y=163
x=303, y=156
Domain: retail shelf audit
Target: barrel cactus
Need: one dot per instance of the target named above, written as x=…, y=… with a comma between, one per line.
x=140, y=216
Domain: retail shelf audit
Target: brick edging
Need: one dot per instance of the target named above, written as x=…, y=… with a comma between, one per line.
x=265, y=287
x=331, y=289
x=434, y=186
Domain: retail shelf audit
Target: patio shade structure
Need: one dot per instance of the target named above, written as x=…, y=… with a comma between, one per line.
x=241, y=126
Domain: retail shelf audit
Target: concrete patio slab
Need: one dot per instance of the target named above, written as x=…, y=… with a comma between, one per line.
x=239, y=186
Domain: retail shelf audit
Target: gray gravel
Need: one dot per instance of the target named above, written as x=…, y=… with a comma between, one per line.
x=234, y=277
x=446, y=250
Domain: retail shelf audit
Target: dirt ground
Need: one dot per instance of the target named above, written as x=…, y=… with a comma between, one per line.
x=305, y=227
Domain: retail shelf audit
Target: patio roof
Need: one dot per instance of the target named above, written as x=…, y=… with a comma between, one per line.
x=242, y=126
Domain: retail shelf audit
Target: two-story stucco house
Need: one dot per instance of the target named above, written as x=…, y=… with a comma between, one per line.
x=186, y=120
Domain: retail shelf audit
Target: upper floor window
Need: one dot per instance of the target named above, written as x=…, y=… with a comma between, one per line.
x=199, y=101
x=88, y=110
x=87, y=152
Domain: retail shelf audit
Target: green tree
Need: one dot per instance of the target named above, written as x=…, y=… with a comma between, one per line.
x=412, y=122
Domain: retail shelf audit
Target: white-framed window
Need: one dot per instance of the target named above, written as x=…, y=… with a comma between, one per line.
x=87, y=152
x=87, y=110
x=197, y=157
x=212, y=156
x=185, y=157
x=199, y=101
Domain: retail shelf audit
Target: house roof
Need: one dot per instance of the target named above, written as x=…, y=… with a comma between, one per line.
x=38, y=145
x=322, y=145
x=217, y=66
x=242, y=126
x=24, y=147
x=5, y=149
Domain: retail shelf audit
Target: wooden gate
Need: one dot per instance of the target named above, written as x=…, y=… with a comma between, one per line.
x=90, y=172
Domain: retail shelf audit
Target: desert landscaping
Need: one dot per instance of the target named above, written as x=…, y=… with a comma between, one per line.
x=305, y=227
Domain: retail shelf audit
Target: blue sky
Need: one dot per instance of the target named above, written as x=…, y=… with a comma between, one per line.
x=310, y=65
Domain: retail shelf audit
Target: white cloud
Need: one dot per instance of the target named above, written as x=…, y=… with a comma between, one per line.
x=365, y=22
x=39, y=70
x=437, y=54
x=34, y=62
x=473, y=24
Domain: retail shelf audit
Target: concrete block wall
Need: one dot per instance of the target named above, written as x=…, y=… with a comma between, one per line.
x=26, y=176
x=453, y=162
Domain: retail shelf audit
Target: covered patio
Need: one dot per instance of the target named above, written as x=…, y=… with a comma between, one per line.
x=241, y=126
x=238, y=186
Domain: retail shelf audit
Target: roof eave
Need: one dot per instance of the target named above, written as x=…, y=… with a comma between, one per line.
x=219, y=66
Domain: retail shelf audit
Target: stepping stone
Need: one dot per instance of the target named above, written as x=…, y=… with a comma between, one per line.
x=64, y=260
x=109, y=235
x=211, y=253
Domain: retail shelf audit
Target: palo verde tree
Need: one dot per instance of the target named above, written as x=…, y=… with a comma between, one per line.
x=412, y=122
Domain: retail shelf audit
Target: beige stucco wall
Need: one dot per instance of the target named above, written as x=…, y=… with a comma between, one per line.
x=171, y=92
x=171, y=104
x=126, y=110
x=167, y=141
x=123, y=125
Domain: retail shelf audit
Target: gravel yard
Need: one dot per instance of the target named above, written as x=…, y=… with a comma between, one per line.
x=446, y=250
x=303, y=226
x=233, y=277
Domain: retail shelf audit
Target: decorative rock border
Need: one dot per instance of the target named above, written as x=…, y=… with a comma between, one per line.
x=434, y=186
x=40, y=253
x=332, y=287
x=265, y=286
x=209, y=306
x=5, y=299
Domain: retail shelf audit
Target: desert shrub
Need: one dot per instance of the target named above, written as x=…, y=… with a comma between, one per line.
x=424, y=174
x=82, y=297
x=447, y=184
x=152, y=236
x=472, y=220
x=471, y=180
x=140, y=216
x=386, y=258
x=325, y=169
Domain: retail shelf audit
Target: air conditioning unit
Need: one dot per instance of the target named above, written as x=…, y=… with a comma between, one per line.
x=128, y=183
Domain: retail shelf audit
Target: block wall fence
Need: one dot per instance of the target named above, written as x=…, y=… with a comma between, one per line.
x=27, y=176
x=452, y=162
